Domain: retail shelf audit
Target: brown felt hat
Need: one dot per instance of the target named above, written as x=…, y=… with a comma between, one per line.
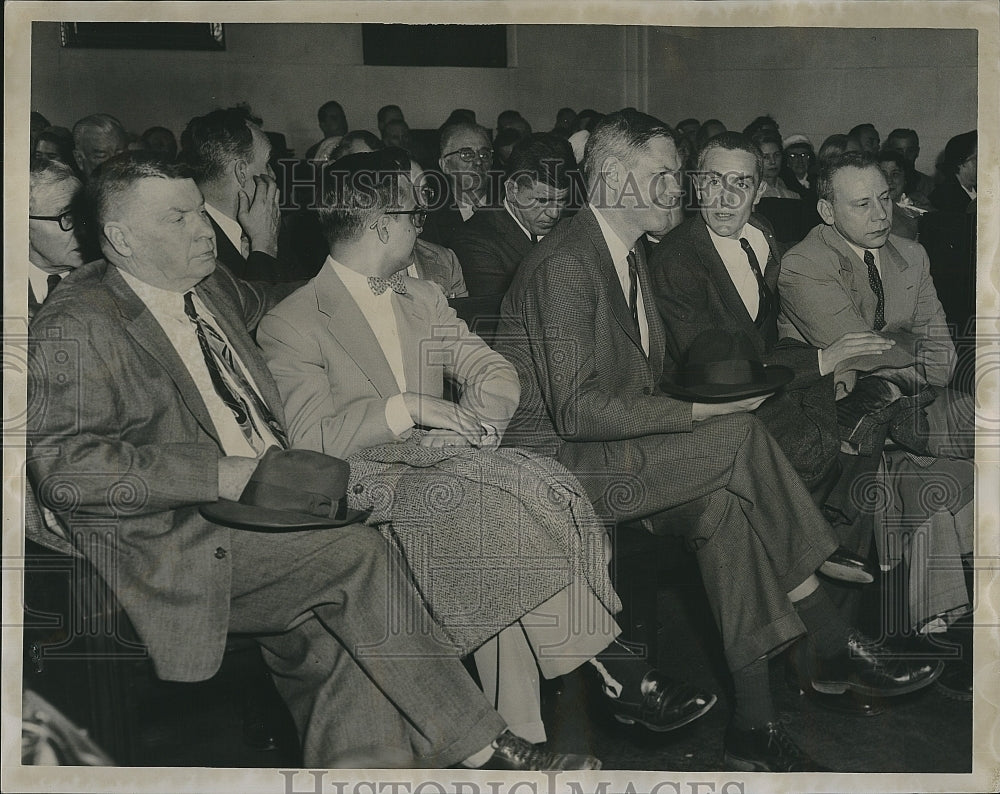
x=721, y=366
x=291, y=489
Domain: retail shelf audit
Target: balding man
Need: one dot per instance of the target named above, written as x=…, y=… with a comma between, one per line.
x=97, y=138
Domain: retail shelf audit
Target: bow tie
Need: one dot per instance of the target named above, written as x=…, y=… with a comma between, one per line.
x=380, y=285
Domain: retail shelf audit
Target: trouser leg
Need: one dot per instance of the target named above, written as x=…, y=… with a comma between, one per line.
x=509, y=675
x=951, y=425
x=354, y=615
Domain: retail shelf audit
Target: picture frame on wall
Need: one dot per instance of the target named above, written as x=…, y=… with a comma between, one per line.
x=143, y=35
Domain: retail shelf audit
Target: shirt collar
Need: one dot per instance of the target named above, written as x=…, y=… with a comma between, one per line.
x=618, y=248
x=163, y=300
x=858, y=249
x=229, y=226
x=355, y=282
x=520, y=225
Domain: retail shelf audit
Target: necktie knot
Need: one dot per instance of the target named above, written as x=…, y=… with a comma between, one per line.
x=395, y=282
x=52, y=281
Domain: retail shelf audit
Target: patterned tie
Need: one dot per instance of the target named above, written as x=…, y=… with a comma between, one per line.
x=763, y=293
x=633, y=289
x=380, y=285
x=245, y=400
x=245, y=246
x=875, y=280
x=52, y=281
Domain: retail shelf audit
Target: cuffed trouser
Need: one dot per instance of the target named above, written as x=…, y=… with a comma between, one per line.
x=554, y=638
x=353, y=652
x=728, y=488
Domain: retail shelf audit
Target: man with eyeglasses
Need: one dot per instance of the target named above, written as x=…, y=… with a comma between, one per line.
x=464, y=183
x=359, y=355
x=53, y=248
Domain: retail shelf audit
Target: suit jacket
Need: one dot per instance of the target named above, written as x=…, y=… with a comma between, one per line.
x=825, y=294
x=125, y=451
x=565, y=312
x=490, y=247
x=950, y=196
x=440, y=265
x=694, y=292
x=335, y=380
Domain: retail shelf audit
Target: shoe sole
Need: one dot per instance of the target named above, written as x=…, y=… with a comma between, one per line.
x=842, y=574
x=734, y=763
x=953, y=694
x=674, y=725
x=835, y=688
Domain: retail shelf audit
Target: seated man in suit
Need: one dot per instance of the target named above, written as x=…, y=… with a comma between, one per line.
x=160, y=406
x=493, y=242
x=580, y=324
x=53, y=249
x=95, y=139
x=850, y=274
x=230, y=156
x=359, y=355
x=960, y=161
x=466, y=161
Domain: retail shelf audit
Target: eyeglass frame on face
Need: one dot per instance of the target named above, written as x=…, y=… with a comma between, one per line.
x=68, y=214
x=468, y=154
x=418, y=216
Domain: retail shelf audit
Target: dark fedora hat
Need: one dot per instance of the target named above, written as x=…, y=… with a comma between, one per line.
x=721, y=366
x=291, y=489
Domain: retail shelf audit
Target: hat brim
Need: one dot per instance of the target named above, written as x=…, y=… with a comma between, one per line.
x=265, y=519
x=775, y=376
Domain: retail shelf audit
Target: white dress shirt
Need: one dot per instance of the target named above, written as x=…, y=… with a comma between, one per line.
x=230, y=227
x=619, y=255
x=529, y=235
x=378, y=312
x=738, y=265
x=167, y=308
x=39, y=281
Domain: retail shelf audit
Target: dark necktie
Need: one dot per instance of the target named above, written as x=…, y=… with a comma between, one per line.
x=244, y=400
x=763, y=293
x=633, y=290
x=53, y=281
x=395, y=281
x=875, y=280
x=534, y=239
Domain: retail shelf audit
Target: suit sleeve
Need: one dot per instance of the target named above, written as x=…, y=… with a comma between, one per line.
x=560, y=312
x=85, y=457
x=482, y=265
x=457, y=285
x=253, y=299
x=302, y=374
x=489, y=385
x=817, y=308
x=933, y=349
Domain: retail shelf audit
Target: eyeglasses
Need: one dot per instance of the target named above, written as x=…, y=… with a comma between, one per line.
x=417, y=216
x=469, y=154
x=797, y=155
x=65, y=220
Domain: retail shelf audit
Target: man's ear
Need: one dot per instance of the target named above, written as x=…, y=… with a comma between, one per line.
x=381, y=227
x=825, y=210
x=510, y=191
x=611, y=173
x=761, y=189
x=117, y=236
x=78, y=156
x=240, y=171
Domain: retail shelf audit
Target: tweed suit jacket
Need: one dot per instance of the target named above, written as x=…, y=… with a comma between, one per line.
x=335, y=380
x=825, y=294
x=587, y=387
x=125, y=451
x=490, y=247
x=440, y=265
x=694, y=293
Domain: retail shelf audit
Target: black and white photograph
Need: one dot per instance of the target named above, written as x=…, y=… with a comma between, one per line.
x=487, y=397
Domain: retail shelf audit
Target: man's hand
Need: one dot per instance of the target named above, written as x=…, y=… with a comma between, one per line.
x=703, y=411
x=852, y=345
x=437, y=414
x=443, y=438
x=234, y=474
x=260, y=217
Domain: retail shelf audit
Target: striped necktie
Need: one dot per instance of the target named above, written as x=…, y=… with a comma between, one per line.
x=247, y=406
x=633, y=290
x=763, y=293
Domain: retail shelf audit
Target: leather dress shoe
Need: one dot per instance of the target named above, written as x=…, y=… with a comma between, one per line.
x=662, y=704
x=766, y=749
x=849, y=704
x=512, y=753
x=867, y=667
x=847, y=566
x=956, y=680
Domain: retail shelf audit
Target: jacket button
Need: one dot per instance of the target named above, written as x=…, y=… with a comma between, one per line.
x=220, y=553
x=359, y=488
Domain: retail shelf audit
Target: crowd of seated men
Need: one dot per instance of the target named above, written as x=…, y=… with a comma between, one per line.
x=723, y=336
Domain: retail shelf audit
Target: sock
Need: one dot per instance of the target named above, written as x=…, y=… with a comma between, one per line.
x=754, y=707
x=477, y=760
x=621, y=668
x=825, y=625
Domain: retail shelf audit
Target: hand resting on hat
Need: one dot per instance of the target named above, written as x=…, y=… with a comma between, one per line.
x=702, y=411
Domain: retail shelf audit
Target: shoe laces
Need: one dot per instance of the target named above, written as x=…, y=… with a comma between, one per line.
x=523, y=753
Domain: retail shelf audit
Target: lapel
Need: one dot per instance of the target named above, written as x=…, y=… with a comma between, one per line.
x=772, y=266
x=242, y=344
x=508, y=231
x=145, y=330
x=895, y=285
x=226, y=252
x=720, y=276
x=33, y=303
x=350, y=329
x=412, y=323
x=853, y=273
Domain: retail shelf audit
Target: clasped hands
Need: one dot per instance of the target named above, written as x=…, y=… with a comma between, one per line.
x=448, y=423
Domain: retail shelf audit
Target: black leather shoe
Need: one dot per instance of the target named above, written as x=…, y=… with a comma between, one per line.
x=867, y=667
x=661, y=704
x=766, y=749
x=847, y=566
x=956, y=680
x=512, y=753
x=850, y=704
